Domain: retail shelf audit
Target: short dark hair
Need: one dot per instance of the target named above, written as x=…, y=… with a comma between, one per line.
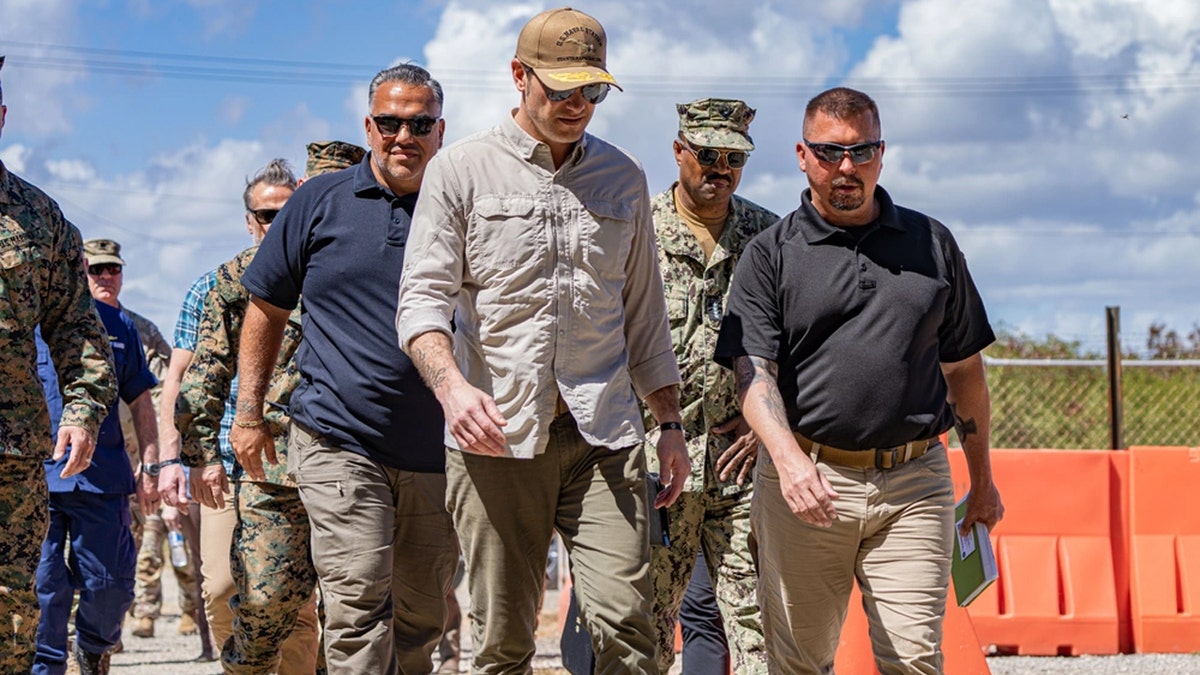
x=276, y=173
x=843, y=103
x=406, y=73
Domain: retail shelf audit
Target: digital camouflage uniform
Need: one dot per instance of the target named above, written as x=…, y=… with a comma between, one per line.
x=42, y=282
x=271, y=564
x=150, y=533
x=710, y=513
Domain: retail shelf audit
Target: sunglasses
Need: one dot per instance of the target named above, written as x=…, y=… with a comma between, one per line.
x=736, y=159
x=592, y=93
x=99, y=270
x=264, y=216
x=833, y=153
x=389, y=125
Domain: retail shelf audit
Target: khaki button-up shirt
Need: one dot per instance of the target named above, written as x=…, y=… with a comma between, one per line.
x=551, y=278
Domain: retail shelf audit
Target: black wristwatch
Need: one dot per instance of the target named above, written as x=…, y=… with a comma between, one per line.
x=154, y=469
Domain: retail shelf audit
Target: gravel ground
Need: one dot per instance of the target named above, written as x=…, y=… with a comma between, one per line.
x=168, y=653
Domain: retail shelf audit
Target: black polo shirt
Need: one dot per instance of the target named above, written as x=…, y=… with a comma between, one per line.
x=858, y=321
x=339, y=241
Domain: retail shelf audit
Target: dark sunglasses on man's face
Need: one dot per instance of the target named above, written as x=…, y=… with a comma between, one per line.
x=833, y=153
x=592, y=93
x=264, y=216
x=104, y=268
x=736, y=159
x=389, y=125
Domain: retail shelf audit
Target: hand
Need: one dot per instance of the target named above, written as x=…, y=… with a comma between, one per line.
x=674, y=466
x=807, y=491
x=475, y=421
x=82, y=447
x=983, y=506
x=172, y=487
x=210, y=485
x=147, y=492
x=250, y=444
x=742, y=454
x=171, y=518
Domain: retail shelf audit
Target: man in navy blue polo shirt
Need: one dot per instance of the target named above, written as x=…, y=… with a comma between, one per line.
x=365, y=444
x=90, y=510
x=854, y=331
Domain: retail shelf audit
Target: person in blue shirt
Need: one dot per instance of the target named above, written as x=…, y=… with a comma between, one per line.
x=90, y=510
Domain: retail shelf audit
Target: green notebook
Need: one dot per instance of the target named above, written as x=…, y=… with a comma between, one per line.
x=974, y=565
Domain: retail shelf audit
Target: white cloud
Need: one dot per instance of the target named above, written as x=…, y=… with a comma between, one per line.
x=38, y=96
x=15, y=156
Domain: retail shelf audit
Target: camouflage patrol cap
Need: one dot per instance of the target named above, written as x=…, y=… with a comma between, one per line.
x=326, y=156
x=716, y=123
x=102, y=251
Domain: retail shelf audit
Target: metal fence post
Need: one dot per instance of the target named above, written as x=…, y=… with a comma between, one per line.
x=1112, y=317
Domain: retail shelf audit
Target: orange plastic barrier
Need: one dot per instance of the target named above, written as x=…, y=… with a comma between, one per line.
x=960, y=646
x=1057, y=592
x=1164, y=526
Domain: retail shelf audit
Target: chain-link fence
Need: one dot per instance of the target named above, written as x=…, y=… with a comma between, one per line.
x=1064, y=403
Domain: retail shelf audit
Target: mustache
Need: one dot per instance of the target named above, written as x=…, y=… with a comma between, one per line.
x=717, y=175
x=847, y=180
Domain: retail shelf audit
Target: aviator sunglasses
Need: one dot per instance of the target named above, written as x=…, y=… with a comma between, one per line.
x=592, y=93
x=736, y=159
x=101, y=269
x=833, y=153
x=389, y=125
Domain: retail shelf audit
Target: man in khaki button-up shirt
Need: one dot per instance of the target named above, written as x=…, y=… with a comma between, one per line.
x=537, y=239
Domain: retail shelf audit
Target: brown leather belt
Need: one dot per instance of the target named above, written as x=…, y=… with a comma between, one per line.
x=878, y=458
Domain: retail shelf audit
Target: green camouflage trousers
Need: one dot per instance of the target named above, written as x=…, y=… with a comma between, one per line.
x=273, y=576
x=151, y=536
x=24, y=517
x=721, y=525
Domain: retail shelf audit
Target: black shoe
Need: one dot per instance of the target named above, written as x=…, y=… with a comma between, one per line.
x=90, y=664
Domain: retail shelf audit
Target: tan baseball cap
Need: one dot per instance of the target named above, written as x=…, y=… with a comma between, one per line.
x=102, y=251
x=565, y=48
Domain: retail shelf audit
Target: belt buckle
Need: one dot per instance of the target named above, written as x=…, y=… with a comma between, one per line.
x=892, y=452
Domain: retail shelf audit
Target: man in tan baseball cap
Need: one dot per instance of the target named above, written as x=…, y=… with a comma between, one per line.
x=579, y=338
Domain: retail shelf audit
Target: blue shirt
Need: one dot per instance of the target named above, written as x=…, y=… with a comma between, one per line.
x=49, y=378
x=110, y=471
x=187, y=329
x=340, y=241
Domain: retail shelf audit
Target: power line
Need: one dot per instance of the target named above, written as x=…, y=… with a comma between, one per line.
x=167, y=65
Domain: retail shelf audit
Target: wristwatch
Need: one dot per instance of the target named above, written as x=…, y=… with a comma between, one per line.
x=154, y=469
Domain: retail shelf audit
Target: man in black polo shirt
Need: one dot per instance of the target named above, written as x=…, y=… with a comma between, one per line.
x=365, y=445
x=854, y=332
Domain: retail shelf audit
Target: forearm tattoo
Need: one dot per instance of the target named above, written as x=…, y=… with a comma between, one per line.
x=964, y=427
x=434, y=376
x=751, y=370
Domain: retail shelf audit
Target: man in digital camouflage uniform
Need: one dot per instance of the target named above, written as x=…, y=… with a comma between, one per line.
x=271, y=564
x=702, y=228
x=43, y=278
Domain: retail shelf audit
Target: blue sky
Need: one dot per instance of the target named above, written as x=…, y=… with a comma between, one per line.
x=1054, y=137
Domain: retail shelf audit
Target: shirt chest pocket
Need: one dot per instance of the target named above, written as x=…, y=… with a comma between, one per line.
x=19, y=297
x=607, y=229
x=502, y=235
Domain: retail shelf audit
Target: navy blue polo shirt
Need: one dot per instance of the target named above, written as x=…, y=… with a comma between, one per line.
x=339, y=241
x=859, y=321
x=110, y=472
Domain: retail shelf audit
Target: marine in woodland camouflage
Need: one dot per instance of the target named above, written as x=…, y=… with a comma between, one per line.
x=206, y=382
x=711, y=510
x=42, y=282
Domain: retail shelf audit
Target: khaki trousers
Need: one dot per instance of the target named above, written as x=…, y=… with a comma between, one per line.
x=505, y=512
x=893, y=534
x=216, y=540
x=384, y=550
